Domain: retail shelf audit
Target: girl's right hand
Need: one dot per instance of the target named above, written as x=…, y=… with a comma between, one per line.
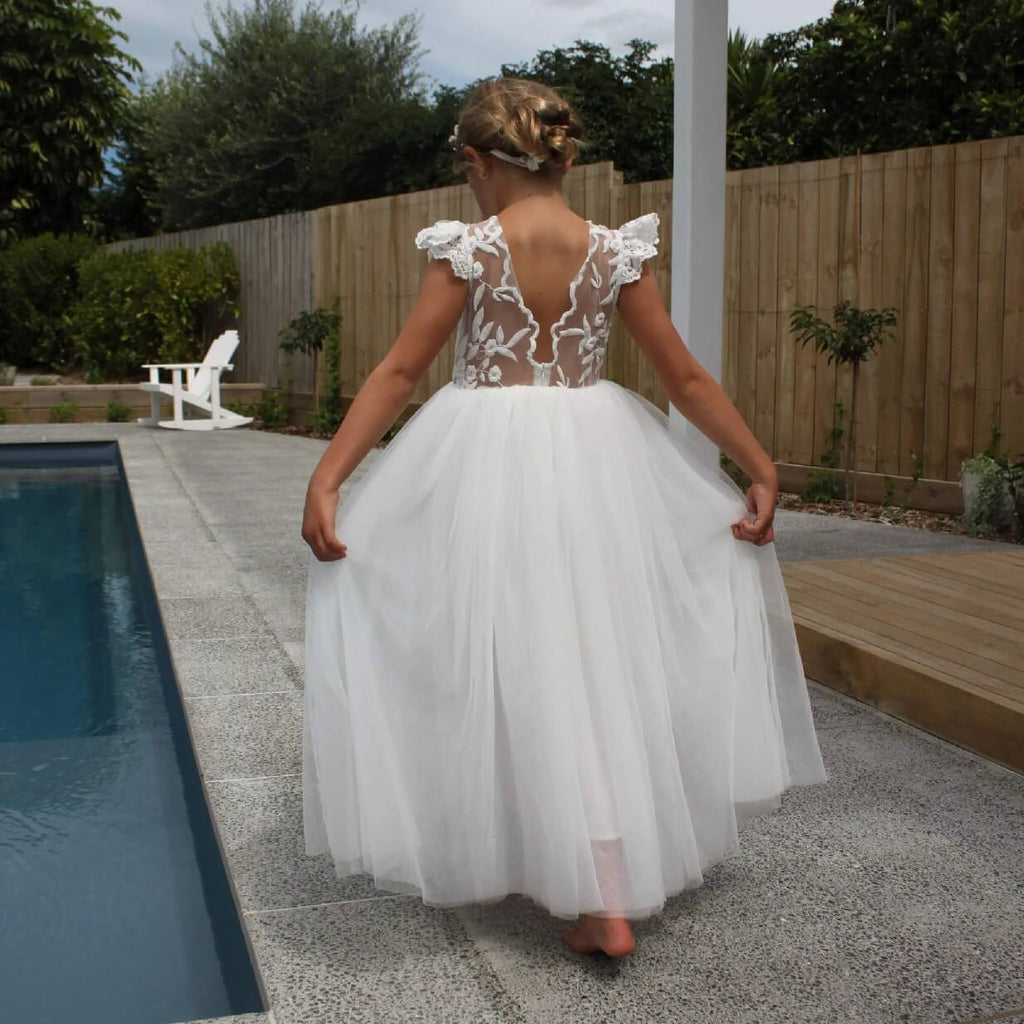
x=318, y=524
x=761, y=500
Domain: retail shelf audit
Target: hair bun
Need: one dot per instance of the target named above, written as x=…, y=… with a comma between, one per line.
x=521, y=118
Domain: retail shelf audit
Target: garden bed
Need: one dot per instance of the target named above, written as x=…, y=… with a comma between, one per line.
x=95, y=403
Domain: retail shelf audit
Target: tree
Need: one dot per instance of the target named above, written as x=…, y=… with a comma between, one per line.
x=850, y=339
x=878, y=75
x=625, y=102
x=63, y=91
x=282, y=111
x=752, y=76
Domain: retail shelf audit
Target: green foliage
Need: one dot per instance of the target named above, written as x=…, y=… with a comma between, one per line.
x=149, y=306
x=876, y=75
x=38, y=282
x=822, y=482
x=308, y=331
x=998, y=498
x=63, y=89
x=990, y=508
x=853, y=335
x=831, y=457
x=3, y=414
x=752, y=76
x=281, y=109
x=888, y=490
x=625, y=102
x=118, y=412
x=271, y=411
x=63, y=412
x=821, y=485
x=328, y=416
x=288, y=108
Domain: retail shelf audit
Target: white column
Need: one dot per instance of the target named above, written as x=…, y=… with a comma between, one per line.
x=698, y=195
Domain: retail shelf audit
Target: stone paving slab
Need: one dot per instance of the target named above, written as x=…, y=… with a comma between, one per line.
x=893, y=892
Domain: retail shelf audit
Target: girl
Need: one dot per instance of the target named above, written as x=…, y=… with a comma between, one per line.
x=549, y=653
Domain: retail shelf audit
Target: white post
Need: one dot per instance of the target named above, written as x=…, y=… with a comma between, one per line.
x=698, y=193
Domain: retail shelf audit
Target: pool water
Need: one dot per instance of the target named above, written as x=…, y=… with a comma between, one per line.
x=114, y=901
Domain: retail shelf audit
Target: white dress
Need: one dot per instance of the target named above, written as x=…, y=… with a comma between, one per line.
x=546, y=666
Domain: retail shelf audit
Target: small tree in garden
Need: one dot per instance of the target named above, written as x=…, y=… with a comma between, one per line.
x=310, y=332
x=849, y=340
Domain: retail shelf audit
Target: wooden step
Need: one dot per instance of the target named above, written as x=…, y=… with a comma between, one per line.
x=936, y=640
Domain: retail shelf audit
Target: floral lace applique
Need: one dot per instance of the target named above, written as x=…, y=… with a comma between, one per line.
x=637, y=241
x=451, y=240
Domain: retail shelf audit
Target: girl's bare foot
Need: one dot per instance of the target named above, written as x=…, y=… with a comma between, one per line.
x=609, y=935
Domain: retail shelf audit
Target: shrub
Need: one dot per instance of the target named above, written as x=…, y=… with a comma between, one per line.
x=147, y=306
x=38, y=284
x=271, y=411
x=3, y=414
x=63, y=412
x=822, y=485
x=118, y=412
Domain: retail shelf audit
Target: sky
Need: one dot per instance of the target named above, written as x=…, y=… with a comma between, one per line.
x=467, y=39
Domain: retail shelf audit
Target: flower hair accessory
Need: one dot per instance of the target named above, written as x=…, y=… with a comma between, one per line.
x=531, y=162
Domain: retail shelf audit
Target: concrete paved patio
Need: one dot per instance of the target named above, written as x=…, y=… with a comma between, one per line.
x=893, y=892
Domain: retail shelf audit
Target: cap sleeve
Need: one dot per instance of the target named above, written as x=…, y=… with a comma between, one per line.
x=638, y=242
x=449, y=240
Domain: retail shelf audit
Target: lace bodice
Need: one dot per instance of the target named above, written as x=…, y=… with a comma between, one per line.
x=497, y=336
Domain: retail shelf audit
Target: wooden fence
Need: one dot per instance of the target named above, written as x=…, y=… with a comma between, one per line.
x=936, y=232
x=275, y=263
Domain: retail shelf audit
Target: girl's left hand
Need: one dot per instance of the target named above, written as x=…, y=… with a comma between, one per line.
x=761, y=500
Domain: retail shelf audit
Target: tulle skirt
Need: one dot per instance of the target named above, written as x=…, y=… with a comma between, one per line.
x=546, y=666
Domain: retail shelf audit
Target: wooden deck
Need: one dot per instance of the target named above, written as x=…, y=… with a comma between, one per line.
x=937, y=640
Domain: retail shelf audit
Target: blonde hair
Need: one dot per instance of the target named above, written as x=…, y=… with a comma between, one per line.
x=521, y=118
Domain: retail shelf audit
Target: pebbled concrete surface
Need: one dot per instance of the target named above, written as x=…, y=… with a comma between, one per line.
x=893, y=892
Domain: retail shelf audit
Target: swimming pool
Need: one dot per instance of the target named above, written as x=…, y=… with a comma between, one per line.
x=115, y=904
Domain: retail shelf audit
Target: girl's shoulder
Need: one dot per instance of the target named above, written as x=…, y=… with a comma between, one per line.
x=640, y=232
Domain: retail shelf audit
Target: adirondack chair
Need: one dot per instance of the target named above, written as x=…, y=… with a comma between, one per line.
x=200, y=389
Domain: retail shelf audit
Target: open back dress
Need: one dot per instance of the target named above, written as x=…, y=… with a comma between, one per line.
x=546, y=665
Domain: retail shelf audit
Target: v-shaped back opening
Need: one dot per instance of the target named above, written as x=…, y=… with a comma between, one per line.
x=568, y=310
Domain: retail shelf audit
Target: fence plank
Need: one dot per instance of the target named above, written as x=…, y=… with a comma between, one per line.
x=869, y=295
x=940, y=310
x=915, y=309
x=788, y=271
x=1012, y=401
x=828, y=288
x=991, y=274
x=893, y=266
x=964, y=314
x=806, y=295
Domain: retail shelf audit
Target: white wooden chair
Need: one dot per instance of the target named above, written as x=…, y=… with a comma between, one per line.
x=200, y=389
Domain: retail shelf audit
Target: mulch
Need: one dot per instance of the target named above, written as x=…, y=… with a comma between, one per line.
x=890, y=515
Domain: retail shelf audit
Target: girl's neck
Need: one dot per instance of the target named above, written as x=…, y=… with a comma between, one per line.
x=521, y=194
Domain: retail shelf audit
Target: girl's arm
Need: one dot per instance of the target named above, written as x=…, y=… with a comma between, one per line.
x=700, y=398
x=378, y=403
